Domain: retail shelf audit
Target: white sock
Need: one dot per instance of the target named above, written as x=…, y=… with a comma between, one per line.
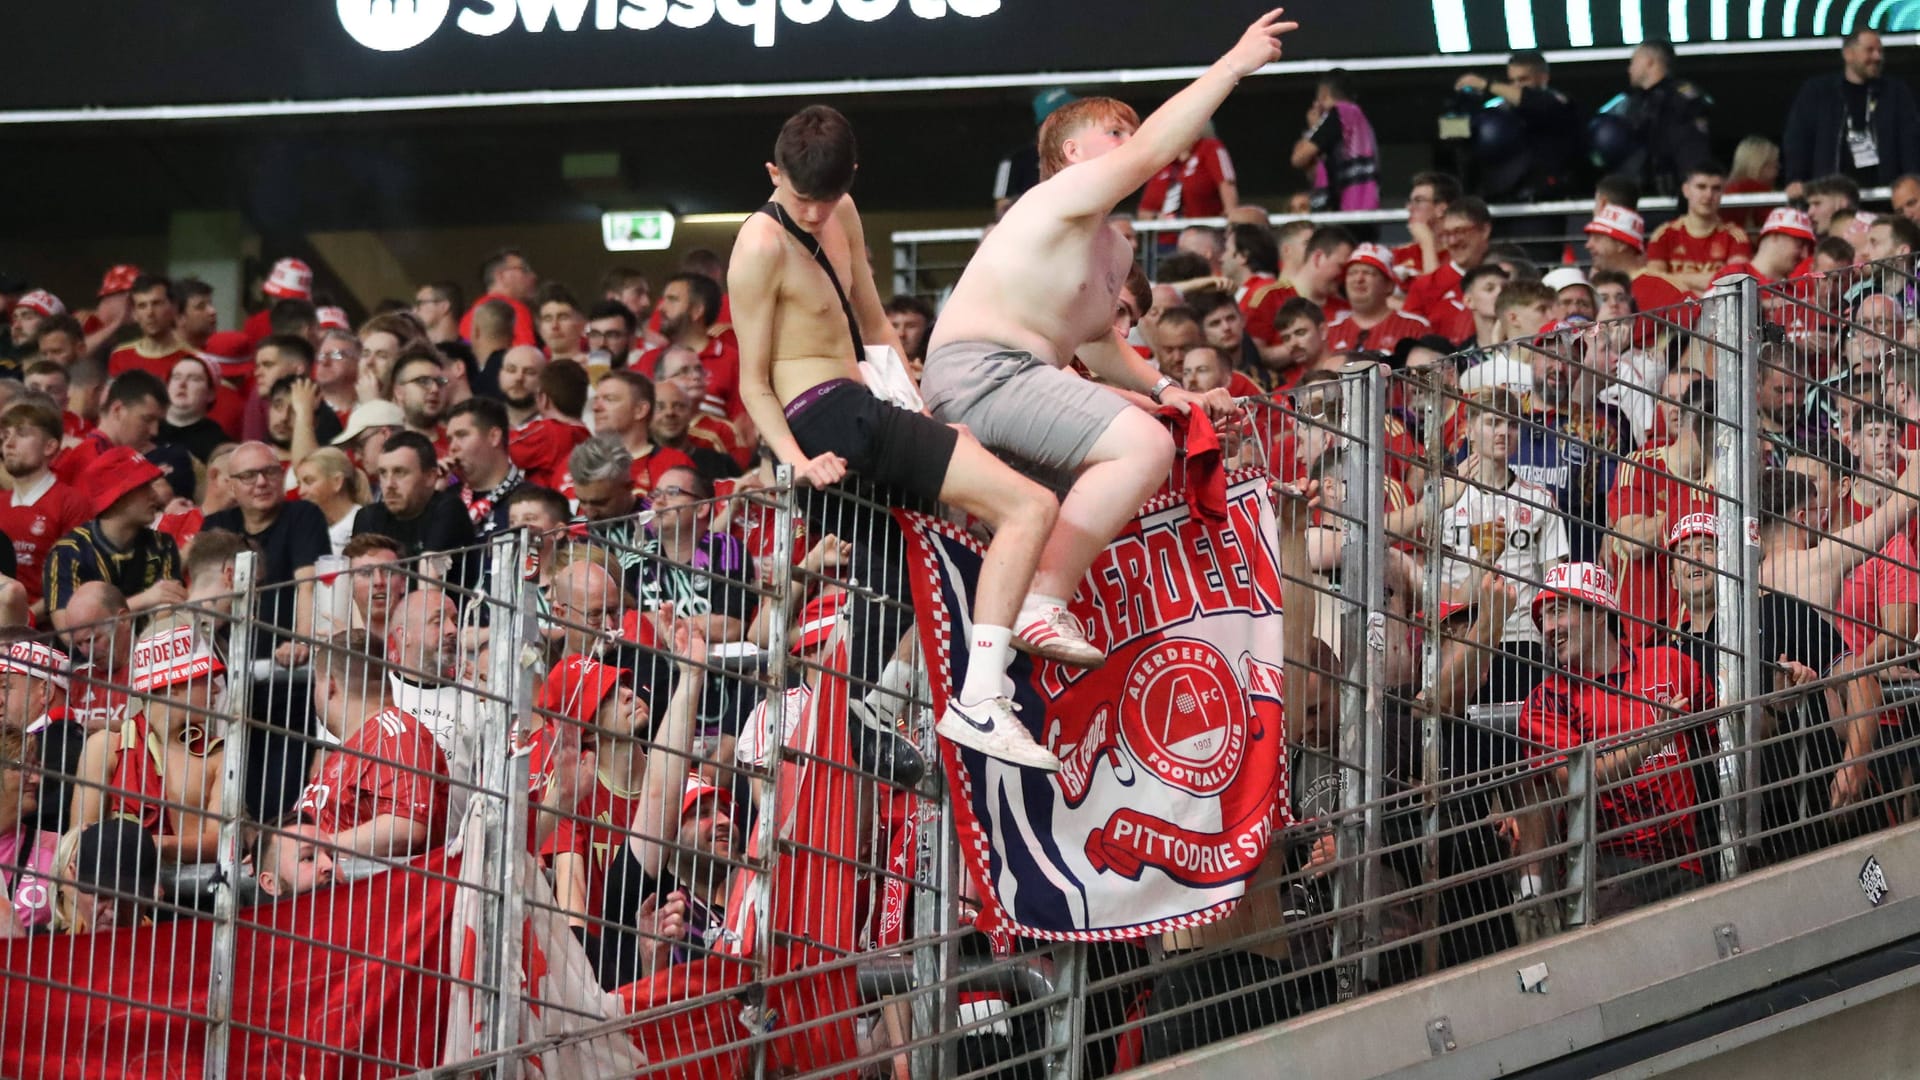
x=1034, y=604
x=987, y=661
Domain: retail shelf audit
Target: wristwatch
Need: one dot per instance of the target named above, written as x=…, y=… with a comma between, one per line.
x=1160, y=388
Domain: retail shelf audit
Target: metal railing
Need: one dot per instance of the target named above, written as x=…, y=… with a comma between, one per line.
x=661, y=795
x=928, y=262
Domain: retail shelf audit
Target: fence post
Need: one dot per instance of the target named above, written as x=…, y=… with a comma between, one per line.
x=775, y=738
x=1582, y=867
x=1734, y=311
x=233, y=810
x=1433, y=425
x=503, y=780
x=935, y=964
x=1362, y=691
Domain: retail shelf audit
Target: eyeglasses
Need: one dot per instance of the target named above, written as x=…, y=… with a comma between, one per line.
x=254, y=476
x=337, y=355
x=427, y=382
x=672, y=492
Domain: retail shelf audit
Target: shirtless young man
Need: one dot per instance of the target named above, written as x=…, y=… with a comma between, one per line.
x=1041, y=290
x=800, y=344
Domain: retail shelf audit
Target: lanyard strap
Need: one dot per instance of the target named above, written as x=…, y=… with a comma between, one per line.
x=812, y=244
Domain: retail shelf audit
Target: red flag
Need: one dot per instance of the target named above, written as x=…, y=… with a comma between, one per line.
x=331, y=969
x=812, y=898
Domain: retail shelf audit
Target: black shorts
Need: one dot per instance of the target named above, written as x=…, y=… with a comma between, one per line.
x=884, y=443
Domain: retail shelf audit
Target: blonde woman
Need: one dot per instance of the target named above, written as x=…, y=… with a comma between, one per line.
x=329, y=481
x=1756, y=168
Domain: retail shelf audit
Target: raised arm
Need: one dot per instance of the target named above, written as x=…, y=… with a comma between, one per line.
x=1098, y=185
x=1856, y=543
x=656, y=823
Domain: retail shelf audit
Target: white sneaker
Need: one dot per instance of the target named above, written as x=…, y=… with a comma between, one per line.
x=1054, y=633
x=991, y=728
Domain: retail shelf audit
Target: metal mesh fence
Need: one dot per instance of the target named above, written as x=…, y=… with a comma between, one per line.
x=1579, y=623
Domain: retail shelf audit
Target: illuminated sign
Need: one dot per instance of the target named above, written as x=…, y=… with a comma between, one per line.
x=398, y=25
x=224, y=58
x=1544, y=24
x=637, y=230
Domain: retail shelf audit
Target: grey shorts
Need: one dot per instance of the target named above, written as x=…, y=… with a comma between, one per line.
x=1017, y=404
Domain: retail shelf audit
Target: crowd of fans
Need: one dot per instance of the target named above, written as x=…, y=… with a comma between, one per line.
x=1556, y=428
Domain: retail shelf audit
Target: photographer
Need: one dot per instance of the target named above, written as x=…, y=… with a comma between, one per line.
x=1532, y=159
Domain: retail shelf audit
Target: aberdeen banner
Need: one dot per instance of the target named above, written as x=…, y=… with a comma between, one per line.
x=1173, y=754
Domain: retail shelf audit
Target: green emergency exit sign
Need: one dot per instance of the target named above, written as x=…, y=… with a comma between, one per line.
x=637, y=230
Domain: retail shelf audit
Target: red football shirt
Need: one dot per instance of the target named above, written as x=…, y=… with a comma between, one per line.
x=391, y=765
x=1190, y=187
x=34, y=519
x=1346, y=335
x=1644, y=487
x=1653, y=291
x=1436, y=298
x=1261, y=305
x=1884, y=579
x=1408, y=260
x=541, y=447
x=1685, y=253
x=721, y=436
x=258, y=327
x=71, y=462
x=157, y=362
x=1563, y=712
x=612, y=815
x=648, y=470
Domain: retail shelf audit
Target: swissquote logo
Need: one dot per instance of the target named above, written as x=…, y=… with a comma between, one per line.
x=392, y=25
x=399, y=25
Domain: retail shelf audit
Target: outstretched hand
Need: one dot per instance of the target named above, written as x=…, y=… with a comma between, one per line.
x=1260, y=45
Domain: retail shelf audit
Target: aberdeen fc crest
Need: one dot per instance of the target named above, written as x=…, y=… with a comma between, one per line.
x=1183, y=716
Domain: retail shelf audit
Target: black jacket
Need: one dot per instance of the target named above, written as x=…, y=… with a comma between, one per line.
x=1816, y=127
x=1670, y=119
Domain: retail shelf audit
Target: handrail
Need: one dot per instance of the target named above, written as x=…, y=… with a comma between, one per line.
x=1395, y=216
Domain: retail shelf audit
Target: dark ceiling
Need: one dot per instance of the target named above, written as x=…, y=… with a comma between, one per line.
x=480, y=166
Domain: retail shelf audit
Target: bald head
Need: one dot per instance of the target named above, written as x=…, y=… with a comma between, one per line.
x=587, y=601
x=97, y=600
x=424, y=634
x=520, y=372
x=97, y=627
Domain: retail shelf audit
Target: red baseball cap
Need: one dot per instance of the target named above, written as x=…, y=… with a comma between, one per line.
x=1376, y=256
x=697, y=789
x=119, y=279
x=1622, y=224
x=114, y=474
x=1584, y=581
x=576, y=687
x=637, y=626
x=333, y=318
x=43, y=302
x=1693, y=525
x=1790, y=222
x=290, y=279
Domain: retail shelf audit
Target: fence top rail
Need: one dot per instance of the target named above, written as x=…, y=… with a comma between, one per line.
x=1394, y=216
